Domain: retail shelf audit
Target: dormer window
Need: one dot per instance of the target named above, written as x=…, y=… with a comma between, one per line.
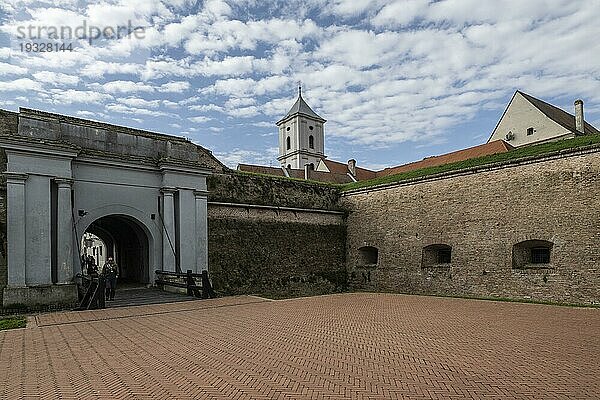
x=288, y=143
x=530, y=131
x=311, y=142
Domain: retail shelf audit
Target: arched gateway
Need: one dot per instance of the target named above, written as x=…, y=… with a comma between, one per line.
x=142, y=193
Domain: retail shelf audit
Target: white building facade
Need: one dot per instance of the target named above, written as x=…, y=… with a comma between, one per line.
x=301, y=137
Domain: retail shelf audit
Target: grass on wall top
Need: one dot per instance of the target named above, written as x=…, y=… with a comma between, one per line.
x=523, y=152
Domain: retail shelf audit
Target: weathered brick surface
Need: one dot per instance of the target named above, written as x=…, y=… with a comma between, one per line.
x=482, y=215
x=276, y=252
x=360, y=346
x=8, y=122
x=237, y=187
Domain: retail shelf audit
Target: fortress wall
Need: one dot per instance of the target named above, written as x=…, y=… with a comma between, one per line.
x=481, y=215
x=236, y=187
x=275, y=237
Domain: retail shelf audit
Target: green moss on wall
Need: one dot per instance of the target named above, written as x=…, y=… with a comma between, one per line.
x=273, y=191
x=276, y=259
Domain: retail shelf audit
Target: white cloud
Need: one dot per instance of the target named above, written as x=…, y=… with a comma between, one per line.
x=140, y=103
x=206, y=107
x=229, y=66
x=9, y=69
x=5, y=52
x=242, y=156
x=400, y=13
x=20, y=85
x=200, y=119
x=126, y=87
x=56, y=78
x=237, y=87
x=99, y=69
x=174, y=87
x=123, y=109
x=71, y=96
x=362, y=49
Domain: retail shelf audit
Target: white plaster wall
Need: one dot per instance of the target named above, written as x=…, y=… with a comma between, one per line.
x=519, y=116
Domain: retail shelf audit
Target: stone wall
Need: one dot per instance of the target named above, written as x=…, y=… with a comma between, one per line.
x=481, y=215
x=275, y=237
x=97, y=138
x=237, y=187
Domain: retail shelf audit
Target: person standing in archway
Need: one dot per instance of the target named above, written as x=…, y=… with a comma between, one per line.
x=92, y=269
x=111, y=273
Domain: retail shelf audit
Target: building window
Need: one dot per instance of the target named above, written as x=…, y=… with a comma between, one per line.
x=444, y=256
x=436, y=254
x=287, y=129
x=532, y=254
x=368, y=255
x=288, y=143
x=289, y=166
x=311, y=127
x=311, y=166
x=311, y=142
x=540, y=255
x=529, y=131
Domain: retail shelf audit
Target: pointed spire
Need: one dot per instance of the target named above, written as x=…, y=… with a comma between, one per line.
x=300, y=107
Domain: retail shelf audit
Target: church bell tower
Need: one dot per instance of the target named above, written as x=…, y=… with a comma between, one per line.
x=301, y=136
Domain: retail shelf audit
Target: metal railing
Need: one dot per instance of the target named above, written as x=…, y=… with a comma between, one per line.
x=90, y=292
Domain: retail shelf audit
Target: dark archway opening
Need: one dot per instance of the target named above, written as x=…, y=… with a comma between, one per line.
x=125, y=241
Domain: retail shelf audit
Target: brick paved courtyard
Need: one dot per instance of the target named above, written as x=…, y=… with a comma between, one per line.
x=374, y=346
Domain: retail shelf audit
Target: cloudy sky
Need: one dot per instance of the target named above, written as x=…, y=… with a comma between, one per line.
x=396, y=80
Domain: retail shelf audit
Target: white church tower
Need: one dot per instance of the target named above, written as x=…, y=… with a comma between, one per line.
x=301, y=136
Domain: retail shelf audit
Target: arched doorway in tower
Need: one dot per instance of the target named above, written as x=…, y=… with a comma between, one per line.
x=124, y=239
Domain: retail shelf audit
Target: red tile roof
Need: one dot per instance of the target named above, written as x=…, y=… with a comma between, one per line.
x=495, y=147
x=339, y=171
x=330, y=177
x=342, y=168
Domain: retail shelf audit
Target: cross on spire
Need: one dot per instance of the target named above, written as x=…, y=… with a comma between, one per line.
x=299, y=88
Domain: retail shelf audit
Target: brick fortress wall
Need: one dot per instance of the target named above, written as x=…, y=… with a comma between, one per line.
x=481, y=215
x=275, y=237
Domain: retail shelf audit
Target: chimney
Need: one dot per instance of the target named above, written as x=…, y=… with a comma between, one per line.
x=352, y=166
x=579, y=124
x=306, y=171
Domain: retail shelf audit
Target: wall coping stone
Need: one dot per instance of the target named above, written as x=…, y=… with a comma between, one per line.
x=240, y=205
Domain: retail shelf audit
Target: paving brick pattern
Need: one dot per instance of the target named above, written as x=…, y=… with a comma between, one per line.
x=362, y=346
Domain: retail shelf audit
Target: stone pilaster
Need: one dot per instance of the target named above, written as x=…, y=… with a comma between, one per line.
x=201, y=230
x=187, y=229
x=168, y=232
x=15, y=192
x=64, y=231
